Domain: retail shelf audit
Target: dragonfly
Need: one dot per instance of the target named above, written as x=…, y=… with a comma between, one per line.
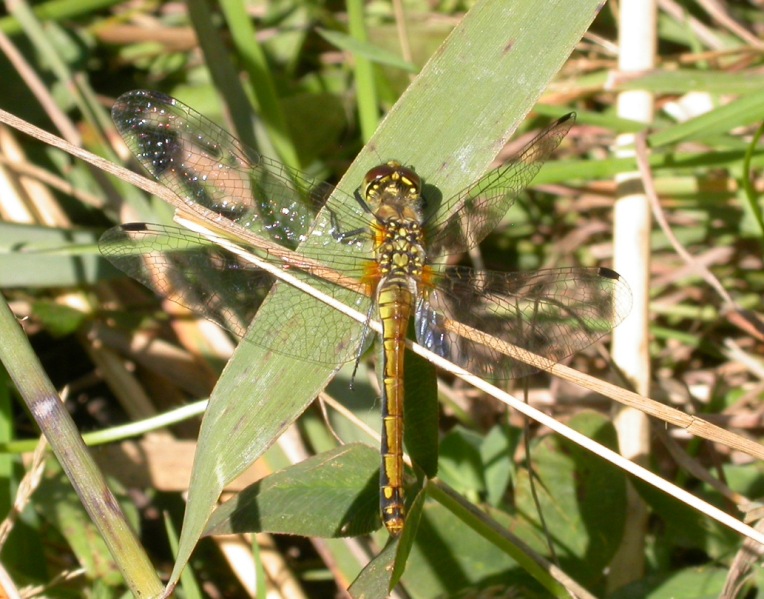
x=379, y=250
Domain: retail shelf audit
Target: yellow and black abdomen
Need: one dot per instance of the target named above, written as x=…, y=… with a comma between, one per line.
x=395, y=303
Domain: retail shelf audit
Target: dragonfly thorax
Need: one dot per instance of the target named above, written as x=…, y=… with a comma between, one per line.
x=399, y=248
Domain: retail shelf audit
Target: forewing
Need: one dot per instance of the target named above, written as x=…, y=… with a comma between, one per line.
x=189, y=270
x=222, y=180
x=551, y=313
x=465, y=219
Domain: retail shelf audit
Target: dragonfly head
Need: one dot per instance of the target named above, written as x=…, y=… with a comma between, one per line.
x=394, y=186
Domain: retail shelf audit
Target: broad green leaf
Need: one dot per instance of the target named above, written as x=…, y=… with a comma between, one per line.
x=703, y=582
x=476, y=564
x=497, y=453
x=334, y=494
x=582, y=497
x=685, y=527
x=461, y=465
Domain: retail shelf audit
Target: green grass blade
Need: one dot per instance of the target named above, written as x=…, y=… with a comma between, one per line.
x=742, y=111
x=751, y=196
x=365, y=86
x=53, y=419
x=222, y=71
x=56, y=10
x=261, y=82
x=367, y=50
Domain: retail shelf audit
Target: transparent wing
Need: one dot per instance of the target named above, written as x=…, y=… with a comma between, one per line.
x=552, y=313
x=190, y=270
x=465, y=219
x=217, y=176
x=234, y=188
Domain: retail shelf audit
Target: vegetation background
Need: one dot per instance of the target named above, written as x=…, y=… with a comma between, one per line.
x=319, y=76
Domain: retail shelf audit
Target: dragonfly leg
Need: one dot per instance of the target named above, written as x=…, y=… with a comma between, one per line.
x=359, y=198
x=362, y=346
x=344, y=236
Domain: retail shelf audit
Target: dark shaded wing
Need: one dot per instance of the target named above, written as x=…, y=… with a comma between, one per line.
x=465, y=219
x=552, y=313
x=189, y=270
x=216, y=176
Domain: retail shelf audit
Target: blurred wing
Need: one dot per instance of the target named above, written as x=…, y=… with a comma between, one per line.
x=466, y=218
x=552, y=313
x=216, y=176
x=191, y=271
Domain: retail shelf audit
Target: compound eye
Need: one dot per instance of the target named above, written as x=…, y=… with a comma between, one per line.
x=393, y=172
x=383, y=171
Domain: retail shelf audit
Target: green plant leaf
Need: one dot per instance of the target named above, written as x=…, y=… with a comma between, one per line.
x=496, y=452
x=59, y=319
x=420, y=413
x=742, y=111
x=374, y=580
x=476, y=564
x=703, y=582
x=461, y=465
x=34, y=256
x=368, y=50
x=582, y=497
x=334, y=494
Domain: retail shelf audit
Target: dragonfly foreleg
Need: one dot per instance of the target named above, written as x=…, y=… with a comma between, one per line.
x=338, y=234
